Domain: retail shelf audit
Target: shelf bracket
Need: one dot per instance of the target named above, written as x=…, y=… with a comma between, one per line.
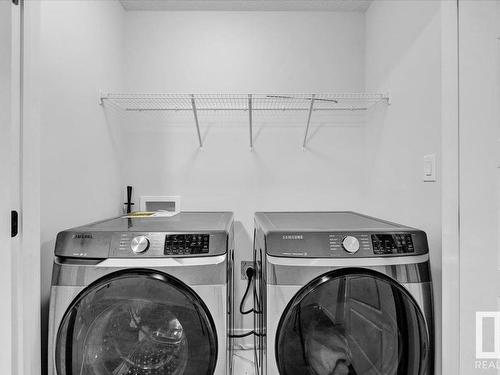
x=311, y=108
x=250, y=120
x=388, y=97
x=102, y=96
x=195, y=114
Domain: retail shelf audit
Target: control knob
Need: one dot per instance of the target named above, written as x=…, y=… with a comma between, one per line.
x=350, y=244
x=139, y=244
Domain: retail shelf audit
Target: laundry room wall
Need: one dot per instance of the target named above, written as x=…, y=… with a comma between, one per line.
x=479, y=72
x=82, y=52
x=245, y=52
x=403, y=55
x=372, y=164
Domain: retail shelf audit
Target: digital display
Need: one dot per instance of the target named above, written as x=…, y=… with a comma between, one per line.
x=180, y=244
x=399, y=243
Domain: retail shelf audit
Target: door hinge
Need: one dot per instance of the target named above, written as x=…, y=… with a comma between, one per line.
x=14, y=223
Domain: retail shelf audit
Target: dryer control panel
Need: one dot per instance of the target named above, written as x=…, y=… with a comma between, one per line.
x=397, y=243
x=346, y=244
x=336, y=234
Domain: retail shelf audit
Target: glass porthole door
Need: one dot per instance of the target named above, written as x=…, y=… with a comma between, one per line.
x=137, y=323
x=353, y=323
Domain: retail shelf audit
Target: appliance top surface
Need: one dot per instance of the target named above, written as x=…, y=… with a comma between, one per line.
x=336, y=235
x=323, y=222
x=182, y=222
x=187, y=234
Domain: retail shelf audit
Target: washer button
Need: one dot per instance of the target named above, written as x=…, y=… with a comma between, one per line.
x=139, y=244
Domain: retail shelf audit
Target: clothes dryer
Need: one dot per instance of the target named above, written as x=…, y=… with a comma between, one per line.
x=339, y=293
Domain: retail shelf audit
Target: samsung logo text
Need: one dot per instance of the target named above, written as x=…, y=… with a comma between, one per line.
x=293, y=237
x=83, y=236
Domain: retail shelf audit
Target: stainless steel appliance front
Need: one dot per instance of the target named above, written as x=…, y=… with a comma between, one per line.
x=339, y=313
x=147, y=311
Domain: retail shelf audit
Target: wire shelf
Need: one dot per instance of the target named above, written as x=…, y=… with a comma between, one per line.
x=308, y=103
x=240, y=102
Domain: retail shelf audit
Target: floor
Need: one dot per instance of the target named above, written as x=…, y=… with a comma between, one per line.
x=243, y=362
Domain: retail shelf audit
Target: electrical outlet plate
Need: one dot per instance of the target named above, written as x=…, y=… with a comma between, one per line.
x=245, y=264
x=165, y=203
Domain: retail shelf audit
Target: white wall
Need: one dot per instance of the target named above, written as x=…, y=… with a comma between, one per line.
x=7, y=357
x=245, y=52
x=479, y=25
x=403, y=55
x=349, y=164
x=450, y=276
x=82, y=52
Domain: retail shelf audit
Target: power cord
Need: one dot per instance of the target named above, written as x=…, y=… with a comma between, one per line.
x=250, y=275
x=246, y=334
x=250, y=272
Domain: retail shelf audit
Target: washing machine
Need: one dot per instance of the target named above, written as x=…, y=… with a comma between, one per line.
x=143, y=296
x=340, y=293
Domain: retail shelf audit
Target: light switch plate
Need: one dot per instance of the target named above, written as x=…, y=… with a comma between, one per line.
x=429, y=171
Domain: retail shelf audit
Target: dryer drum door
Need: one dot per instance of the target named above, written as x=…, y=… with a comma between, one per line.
x=136, y=322
x=353, y=322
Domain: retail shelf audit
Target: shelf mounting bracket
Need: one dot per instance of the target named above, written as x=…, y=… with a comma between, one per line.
x=102, y=96
x=311, y=108
x=250, y=120
x=388, y=97
x=195, y=114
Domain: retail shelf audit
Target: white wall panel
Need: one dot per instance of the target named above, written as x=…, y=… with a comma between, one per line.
x=403, y=55
x=7, y=357
x=82, y=53
x=479, y=176
x=244, y=51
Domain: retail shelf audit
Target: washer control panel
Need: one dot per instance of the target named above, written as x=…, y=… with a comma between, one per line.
x=161, y=244
x=136, y=243
x=185, y=235
x=181, y=244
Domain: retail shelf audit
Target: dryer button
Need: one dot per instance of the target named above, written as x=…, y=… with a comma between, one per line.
x=350, y=244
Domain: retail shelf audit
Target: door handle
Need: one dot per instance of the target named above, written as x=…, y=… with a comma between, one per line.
x=14, y=223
